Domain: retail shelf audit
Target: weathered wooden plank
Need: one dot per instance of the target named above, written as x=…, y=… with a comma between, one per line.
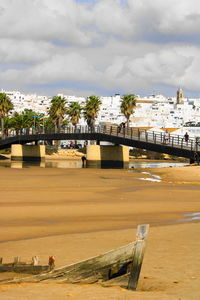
x=28, y=269
x=35, y=260
x=142, y=231
x=138, y=256
x=16, y=260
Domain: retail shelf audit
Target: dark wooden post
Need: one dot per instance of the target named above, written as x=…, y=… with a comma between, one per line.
x=146, y=137
x=118, y=130
x=138, y=255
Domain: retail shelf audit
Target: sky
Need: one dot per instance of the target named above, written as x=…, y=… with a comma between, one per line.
x=100, y=47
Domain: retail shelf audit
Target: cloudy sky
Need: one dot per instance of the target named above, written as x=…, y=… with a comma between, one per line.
x=100, y=47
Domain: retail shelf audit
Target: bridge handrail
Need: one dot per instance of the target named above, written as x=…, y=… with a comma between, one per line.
x=167, y=139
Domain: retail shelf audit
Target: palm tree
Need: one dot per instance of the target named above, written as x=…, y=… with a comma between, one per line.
x=57, y=111
x=32, y=119
x=127, y=106
x=18, y=122
x=5, y=106
x=26, y=120
x=7, y=121
x=48, y=124
x=74, y=112
x=91, y=110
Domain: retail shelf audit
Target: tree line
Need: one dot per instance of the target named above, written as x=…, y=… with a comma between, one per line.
x=59, y=114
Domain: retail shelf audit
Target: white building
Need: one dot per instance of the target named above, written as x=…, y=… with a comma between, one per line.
x=151, y=111
x=21, y=101
x=163, y=112
x=110, y=110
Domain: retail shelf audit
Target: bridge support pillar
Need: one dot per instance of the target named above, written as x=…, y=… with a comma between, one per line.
x=27, y=152
x=107, y=156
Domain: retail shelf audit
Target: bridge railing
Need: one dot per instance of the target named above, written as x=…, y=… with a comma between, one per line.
x=167, y=139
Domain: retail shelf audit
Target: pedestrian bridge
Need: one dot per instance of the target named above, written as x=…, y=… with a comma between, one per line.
x=153, y=141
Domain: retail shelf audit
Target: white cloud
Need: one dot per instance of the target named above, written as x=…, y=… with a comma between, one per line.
x=57, y=68
x=76, y=23
x=166, y=17
x=64, y=67
x=49, y=20
x=110, y=18
x=105, y=44
x=164, y=65
x=24, y=51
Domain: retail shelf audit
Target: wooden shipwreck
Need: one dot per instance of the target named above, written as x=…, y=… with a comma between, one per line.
x=123, y=262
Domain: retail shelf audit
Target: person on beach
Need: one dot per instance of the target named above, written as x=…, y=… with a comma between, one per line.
x=83, y=158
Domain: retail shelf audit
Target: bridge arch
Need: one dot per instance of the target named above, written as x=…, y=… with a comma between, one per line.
x=154, y=141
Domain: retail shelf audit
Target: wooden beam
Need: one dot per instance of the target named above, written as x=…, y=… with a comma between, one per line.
x=142, y=232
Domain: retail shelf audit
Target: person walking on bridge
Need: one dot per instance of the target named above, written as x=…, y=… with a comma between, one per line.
x=186, y=137
x=166, y=137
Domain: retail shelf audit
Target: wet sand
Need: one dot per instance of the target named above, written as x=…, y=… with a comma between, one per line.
x=77, y=213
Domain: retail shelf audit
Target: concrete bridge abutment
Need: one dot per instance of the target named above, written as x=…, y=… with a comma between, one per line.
x=107, y=156
x=27, y=152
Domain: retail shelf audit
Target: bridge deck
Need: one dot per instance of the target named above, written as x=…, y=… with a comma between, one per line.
x=154, y=141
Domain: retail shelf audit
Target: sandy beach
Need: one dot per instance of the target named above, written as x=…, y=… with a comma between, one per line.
x=77, y=213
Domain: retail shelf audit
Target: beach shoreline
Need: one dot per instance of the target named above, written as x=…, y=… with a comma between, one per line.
x=73, y=154
x=78, y=213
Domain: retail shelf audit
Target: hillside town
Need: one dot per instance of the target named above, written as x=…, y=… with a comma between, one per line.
x=154, y=112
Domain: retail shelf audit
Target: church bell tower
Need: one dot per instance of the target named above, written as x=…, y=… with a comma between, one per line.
x=179, y=97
